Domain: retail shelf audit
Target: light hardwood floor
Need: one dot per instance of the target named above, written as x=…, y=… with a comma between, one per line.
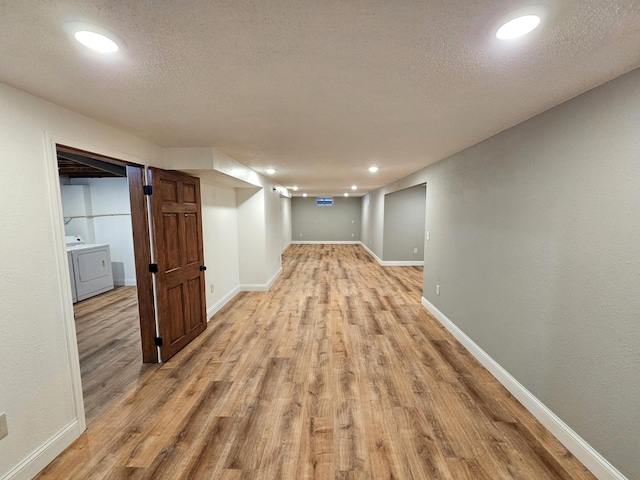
x=108, y=333
x=336, y=373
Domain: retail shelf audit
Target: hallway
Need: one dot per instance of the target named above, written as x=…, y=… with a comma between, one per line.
x=336, y=372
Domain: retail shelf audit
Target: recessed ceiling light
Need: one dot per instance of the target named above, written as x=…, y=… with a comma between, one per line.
x=373, y=169
x=518, y=27
x=354, y=187
x=304, y=194
x=94, y=37
x=295, y=189
x=346, y=194
x=96, y=41
x=271, y=171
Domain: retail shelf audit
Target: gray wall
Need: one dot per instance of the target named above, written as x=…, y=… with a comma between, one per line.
x=340, y=222
x=404, y=218
x=373, y=210
x=535, y=242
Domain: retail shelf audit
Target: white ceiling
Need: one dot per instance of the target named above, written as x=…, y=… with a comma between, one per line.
x=318, y=89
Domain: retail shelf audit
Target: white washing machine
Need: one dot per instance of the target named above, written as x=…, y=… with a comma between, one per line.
x=90, y=268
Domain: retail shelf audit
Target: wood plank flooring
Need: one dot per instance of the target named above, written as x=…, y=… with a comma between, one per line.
x=108, y=333
x=336, y=373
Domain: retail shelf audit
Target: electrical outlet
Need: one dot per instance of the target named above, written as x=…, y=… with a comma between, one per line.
x=353, y=234
x=212, y=287
x=4, y=430
x=300, y=234
x=427, y=235
x=437, y=289
x=415, y=250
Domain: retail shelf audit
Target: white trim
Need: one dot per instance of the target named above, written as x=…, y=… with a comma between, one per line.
x=590, y=458
x=285, y=247
x=322, y=242
x=216, y=307
x=370, y=252
x=393, y=263
x=274, y=278
x=69, y=323
x=257, y=287
x=128, y=282
x=45, y=454
x=402, y=263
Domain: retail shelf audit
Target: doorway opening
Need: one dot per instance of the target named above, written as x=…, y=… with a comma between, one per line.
x=99, y=224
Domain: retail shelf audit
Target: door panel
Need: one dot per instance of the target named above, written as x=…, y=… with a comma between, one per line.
x=171, y=233
x=194, y=303
x=177, y=227
x=191, y=231
x=189, y=194
x=169, y=191
x=176, y=312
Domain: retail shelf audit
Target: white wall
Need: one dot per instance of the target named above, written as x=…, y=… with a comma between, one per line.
x=251, y=237
x=285, y=205
x=260, y=228
x=273, y=234
x=260, y=216
x=77, y=211
x=110, y=196
x=220, y=237
x=37, y=336
x=40, y=378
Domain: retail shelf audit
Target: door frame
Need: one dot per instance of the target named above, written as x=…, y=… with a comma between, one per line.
x=51, y=142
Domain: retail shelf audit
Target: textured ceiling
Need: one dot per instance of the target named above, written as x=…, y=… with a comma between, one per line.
x=319, y=90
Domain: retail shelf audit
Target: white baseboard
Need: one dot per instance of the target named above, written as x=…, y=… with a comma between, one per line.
x=370, y=252
x=216, y=307
x=590, y=458
x=402, y=263
x=392, y=263
x=261, y=287
x=127, y=282
x=285, y=247
x=43, y=456
x=321, y=242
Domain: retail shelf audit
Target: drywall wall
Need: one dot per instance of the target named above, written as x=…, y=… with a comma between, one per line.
x=220, y=238
x=273, y=232
x=285, y=206
x=38, y=391
x=534, y=240
x=373, y=211
x=258, y=208
x=111, y=223
x=259, y=236
x=77, y=211
x=251, y=236
x=340, y=222
x=37, y=338
x=404, y=218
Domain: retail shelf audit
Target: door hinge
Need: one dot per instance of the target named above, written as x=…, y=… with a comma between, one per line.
x=147, y=190
x=153, y=267
x=158, y=341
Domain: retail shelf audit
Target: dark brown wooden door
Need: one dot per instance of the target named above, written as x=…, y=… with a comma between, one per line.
x=177, y=240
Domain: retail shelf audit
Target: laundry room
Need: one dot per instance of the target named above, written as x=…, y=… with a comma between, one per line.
x=97, y=212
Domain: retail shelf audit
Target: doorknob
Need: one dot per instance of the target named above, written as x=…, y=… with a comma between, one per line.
x=202, y=268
